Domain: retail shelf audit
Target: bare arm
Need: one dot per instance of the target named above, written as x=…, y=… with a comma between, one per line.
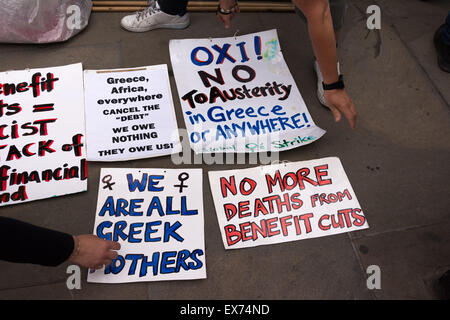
x=320, y=27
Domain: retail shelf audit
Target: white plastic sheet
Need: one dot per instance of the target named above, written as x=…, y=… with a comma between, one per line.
x=42, y=21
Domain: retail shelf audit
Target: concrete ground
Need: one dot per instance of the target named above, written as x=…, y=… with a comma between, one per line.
x=397, y=161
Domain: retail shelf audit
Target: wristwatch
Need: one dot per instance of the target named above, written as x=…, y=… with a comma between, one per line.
x=336, y=85
x=230, y=11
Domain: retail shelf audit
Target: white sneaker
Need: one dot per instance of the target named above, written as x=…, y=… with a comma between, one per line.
x=320, y=94
x=153, y=18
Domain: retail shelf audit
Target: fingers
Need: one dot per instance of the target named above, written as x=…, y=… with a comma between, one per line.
x=340, y=103
x=107, y=262
x=113, y=245
x=103, y=264
x=336, y=113
x=350, y=113
x=112, y=255
x=226, y=19
x=219, y=16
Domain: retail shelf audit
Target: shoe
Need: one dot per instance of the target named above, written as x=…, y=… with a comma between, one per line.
x=443, y=49
x=320, y=93
x=153, y=18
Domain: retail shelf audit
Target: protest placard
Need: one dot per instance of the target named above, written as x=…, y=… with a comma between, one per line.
x=238, y=95
x=129, y=114
x=284, y=202
x=42, y=134
x=157, y=217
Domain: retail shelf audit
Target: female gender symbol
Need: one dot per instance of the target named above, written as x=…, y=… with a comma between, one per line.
x=182, y=177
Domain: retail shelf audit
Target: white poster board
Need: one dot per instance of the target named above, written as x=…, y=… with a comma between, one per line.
x=129, y=114
x=42, y=134
x=157, y=217
x=238, y=95
x=284, y=202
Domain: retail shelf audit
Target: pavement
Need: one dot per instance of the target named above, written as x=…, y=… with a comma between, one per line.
x=397, y=161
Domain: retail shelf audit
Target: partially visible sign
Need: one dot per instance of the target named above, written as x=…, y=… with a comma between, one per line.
x=42, y=134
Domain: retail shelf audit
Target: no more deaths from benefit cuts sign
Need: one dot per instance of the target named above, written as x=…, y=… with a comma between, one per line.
x=286, y=202
x=238, y=95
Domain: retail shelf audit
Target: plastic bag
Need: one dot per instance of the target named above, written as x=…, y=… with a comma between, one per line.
x=42, y=21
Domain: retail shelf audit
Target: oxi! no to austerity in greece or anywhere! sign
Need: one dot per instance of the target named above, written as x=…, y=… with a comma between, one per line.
x=157, y=216
x=238, y=95
x=42, y=133
x=286, y=202
x=129, y=114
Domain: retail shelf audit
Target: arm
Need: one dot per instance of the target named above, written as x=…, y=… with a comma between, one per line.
x=227, y=5
x=320, y=27
x=26, y=243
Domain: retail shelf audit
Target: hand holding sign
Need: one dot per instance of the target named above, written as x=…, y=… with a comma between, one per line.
x=93, y=252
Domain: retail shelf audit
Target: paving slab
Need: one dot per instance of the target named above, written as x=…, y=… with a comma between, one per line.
x=415, y=26
x=410, y=261
x=98, y=56
x=284, y=271
x=51, y=291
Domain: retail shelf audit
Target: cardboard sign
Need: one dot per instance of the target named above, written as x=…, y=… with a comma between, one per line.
x=130, y=114
x=286, y=202
x=157, y=216
x=238, y=95
x=42, y=134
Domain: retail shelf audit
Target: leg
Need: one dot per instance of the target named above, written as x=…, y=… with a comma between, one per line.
x=338, y=8
x=169, y=14
x=173, y=7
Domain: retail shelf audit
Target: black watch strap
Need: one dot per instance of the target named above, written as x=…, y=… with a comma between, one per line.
x=336, y=85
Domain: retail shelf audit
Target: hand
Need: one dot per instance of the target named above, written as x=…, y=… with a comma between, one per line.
x=227, y=5
x=339, y=102
x=93, y=252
